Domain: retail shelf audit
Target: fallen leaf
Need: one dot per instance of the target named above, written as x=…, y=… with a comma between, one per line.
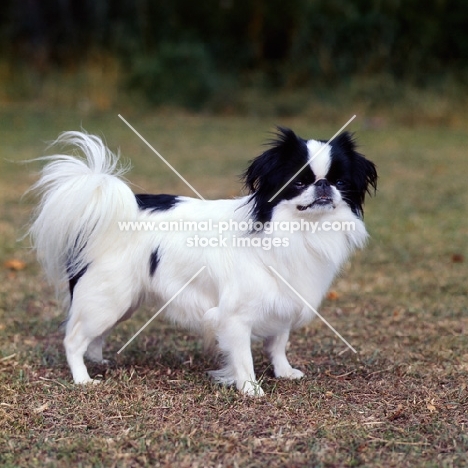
x=42, y=408
x=15, y=265
x=430, y=406
x=332, y=295
x=458, y=258
x=398, y=413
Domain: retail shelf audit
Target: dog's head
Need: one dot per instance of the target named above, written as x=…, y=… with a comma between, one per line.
x=310, y=176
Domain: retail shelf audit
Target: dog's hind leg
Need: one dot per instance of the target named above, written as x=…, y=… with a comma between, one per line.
x=92, y=315
x=76, y=343
x=94, y=351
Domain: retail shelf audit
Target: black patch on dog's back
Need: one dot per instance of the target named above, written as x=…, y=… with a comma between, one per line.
x=160, y=202
x=153, y=261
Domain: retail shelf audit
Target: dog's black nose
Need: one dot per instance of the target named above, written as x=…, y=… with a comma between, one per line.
x=322, y=183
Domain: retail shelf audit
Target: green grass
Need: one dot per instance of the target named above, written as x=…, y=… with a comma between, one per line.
x=402, y=401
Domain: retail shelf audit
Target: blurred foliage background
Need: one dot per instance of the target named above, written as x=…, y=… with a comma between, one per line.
x=222, y=55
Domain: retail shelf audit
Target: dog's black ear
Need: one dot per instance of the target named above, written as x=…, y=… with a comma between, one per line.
x=346, y=142
x=254, y=173
x=272, y=164
x=364, y=172
x=370, y=172
x=268, y=172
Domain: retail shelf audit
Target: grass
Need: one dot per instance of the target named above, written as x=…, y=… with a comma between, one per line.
x=402, y=401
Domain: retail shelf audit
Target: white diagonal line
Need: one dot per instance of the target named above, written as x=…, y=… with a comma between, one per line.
x=311, y=159
x=161, y=309
x=313, y=310
x=162, y=159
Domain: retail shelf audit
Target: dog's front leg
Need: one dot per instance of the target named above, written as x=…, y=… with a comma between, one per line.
x=234, y=339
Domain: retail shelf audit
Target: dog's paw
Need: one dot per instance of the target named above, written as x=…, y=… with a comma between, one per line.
x=222, y=377
x=248, y=387
x=289, y=373
x=88, y=381
x=98, y=359
x=252, y=389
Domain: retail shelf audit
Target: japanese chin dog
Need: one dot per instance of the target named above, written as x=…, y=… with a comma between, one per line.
x=234, y=270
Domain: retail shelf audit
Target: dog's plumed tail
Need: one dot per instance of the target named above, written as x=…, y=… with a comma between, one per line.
x=82, y=200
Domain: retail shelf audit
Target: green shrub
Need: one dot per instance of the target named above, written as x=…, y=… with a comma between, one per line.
x=180, y=74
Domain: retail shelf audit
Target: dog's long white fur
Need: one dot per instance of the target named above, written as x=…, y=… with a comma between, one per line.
x=81, y=199
x=236, y=298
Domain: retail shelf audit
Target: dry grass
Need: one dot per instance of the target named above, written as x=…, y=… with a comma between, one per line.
x=402, y=401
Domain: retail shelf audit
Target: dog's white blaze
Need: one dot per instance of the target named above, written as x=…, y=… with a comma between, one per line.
x=319, y=157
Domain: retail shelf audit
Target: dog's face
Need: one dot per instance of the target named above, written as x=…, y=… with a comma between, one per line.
x=309, y=176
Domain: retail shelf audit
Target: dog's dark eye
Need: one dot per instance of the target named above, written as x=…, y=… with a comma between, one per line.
x=299, y=184
x=340, y=183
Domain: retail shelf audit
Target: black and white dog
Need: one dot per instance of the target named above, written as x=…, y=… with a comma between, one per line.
x=105, y=270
